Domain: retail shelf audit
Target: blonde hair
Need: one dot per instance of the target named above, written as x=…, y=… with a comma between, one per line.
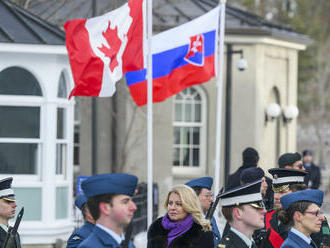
x=190, y=204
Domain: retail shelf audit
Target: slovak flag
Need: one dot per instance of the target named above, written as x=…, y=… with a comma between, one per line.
x=103, y=48
x=181, y=57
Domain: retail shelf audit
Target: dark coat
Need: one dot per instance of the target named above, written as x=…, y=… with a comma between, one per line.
x=80, y=235
x=313, y=177
x=3, y=235
x=232, y=240
x=234, y=180
x=195, y=237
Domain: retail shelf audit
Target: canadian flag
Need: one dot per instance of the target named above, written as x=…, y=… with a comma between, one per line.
x=103, y=48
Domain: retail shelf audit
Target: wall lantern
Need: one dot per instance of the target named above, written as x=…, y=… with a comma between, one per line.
x=272, y=112
x=291, y=112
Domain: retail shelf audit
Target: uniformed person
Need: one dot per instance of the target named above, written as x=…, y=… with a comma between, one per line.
x=301, y=211
x=7, y=210
x=202, y=186
x=286, y=181
x=83, y=232
x=110, y=203
x=244, y=210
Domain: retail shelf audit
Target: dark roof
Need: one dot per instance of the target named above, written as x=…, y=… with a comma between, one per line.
x=29, y=28
x=20, y=26
x=169, y=13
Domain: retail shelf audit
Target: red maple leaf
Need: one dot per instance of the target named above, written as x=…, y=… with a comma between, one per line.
x=111, y=36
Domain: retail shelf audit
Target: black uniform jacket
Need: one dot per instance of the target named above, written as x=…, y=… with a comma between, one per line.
x=195, y=237
x=232, y=240
x=3, y=235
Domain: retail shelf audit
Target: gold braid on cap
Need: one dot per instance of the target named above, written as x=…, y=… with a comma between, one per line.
x=281, y=188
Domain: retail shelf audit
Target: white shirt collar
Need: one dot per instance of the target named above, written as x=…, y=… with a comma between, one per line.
x=301, y=235
x=118, y=238
x=4, y=227
x=247, y=241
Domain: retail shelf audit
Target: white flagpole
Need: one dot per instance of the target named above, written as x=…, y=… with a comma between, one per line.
x=219, y=98
x=149, y=120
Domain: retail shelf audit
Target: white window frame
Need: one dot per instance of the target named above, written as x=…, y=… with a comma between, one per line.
x=26, y=101
x=63, y=103
x=190, y=170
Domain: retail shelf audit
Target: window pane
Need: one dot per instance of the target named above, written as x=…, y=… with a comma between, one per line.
x=18, y=81
x=176, y=135
x=186, y=135
x=19, y=122
x=187, y=113
x=186, y=156
x=198, y=112
x=62, y=202
x=18, y=158
x=176, y=156
x=196, y=136
x=195, y=157
x=62, y=92
x=60, y=158
x=178, y=112
x=61, y=123
x=197, y=97
x=31, y=199
x=76, y=146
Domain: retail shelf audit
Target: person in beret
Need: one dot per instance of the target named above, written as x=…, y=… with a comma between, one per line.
x=291, y=161
x=286, y=181
x=202, y=187
x=184, y=225
x=111, y=206
x=301, y=211
x=250, y=158
x=83, y=232
x=313, y=177
x=7, y=210
x=244, y=210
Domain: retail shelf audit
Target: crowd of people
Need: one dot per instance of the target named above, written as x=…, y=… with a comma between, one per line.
x=282, y=211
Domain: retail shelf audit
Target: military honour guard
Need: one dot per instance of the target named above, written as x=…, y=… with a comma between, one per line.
x=111, y=206
x=203, y=186
x=83, y=232
x=7, y=211
x=244, y=210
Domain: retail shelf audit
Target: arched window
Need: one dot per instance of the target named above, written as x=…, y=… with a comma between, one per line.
x=61, y=136
x=18, y=81
x=62, y=87
x=189, y=128
x=20, y=141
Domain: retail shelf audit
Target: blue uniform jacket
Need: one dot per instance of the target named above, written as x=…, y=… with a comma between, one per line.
x=99, y=238
x=294, y=241
x=80, y=235
x=216, y=233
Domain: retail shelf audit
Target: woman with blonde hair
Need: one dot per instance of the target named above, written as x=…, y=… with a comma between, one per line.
x=183, y=225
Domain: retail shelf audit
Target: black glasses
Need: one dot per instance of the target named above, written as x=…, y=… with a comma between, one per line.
x=317, y=213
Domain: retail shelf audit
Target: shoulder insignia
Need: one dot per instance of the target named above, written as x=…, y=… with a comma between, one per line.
x=75, y=237
x=221, y=246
